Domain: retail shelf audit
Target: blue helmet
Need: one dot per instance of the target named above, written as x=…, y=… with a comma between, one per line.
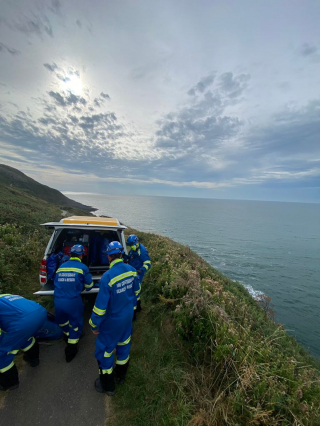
x=77, y=249
x=132, y=240
x=114, y=248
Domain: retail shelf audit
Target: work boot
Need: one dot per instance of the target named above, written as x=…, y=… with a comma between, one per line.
x=71, y=351
x=9, y=380
x=120, y=372
x=138, y=306
x=32, y=355
x=105, y=384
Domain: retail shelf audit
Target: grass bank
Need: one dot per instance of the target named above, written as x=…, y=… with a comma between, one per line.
x=205, y=353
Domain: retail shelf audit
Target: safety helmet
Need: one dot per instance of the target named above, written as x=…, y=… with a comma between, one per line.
x=132, y=240
x=77, y=249
x=114, y=248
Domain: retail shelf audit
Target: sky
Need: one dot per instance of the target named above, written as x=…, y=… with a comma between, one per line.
x=206, y=98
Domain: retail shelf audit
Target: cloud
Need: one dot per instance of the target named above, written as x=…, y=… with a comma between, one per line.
x=78, y=22
x=52, y=67
x=104, y=95
x=232, y=85
x=67, y=100
x=308, y=49
x=202, y=85
x=13, y=52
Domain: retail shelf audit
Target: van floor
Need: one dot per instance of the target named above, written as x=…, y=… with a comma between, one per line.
x=58, y=393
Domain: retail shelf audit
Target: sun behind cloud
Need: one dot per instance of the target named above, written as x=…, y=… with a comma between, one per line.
x=72, y=84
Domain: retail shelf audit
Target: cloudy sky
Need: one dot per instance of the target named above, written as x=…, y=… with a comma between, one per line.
x=193, y=98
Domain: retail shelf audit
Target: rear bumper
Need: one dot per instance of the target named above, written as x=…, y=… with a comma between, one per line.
x=48, y=290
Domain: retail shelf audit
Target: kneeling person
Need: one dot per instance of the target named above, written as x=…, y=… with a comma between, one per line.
x=20, y=319
x=112, y=319
x=71, y=279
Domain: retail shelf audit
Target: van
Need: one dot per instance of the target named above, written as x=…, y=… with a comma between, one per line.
x=93, y=233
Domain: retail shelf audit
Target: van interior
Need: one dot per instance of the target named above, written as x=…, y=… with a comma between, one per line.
x=95, y=243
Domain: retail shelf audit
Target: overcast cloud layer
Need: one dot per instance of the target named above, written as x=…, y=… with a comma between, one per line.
x=214, y=99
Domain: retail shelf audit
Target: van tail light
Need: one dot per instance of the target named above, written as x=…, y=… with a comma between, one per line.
x=43, y=271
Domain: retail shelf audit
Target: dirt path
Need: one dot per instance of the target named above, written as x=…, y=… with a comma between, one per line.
x=56, y=393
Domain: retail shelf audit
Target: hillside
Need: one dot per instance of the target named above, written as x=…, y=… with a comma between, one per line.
x=15, y=179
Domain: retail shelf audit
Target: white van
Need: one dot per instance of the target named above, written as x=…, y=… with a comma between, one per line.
x=94, y=233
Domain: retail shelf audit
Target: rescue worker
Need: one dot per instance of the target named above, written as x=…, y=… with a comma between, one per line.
x=20, y=319
x=139, y=258
x=71, y=279
x=111, y=319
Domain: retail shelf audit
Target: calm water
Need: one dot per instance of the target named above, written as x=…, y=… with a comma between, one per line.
x=270, y=247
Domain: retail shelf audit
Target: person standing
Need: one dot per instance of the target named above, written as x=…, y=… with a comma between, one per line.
x=20, y=319
x=111, y=319
x=139, y=258
x=71, y=279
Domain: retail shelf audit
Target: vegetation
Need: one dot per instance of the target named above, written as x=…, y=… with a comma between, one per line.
x=232, y=364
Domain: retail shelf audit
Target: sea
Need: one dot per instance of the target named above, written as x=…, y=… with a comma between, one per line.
x=271, y=248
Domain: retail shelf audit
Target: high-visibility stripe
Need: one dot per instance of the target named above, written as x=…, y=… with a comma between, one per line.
x=3, y=370
x=65, y=323
x=31, y=344
x=2, y=295
x=146, y=264
x=75, y=258
x=80, y=271
x=14, y=352
x=125, y=342
x=73, y=341
x=108, y=371
x=76, y=329
x=121, y=277
x=91, y=323
x=138, y=298
x=114, y=262
x=66, y=333
x=120, y=362
x=108, y=354
x=89, y=285
x=99, y=311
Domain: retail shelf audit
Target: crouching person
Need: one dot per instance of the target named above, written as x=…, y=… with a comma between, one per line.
x=20, y=319
x=112, y=317
x=71, y=279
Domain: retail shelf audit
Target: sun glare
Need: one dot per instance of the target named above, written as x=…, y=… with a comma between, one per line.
x=73, y=84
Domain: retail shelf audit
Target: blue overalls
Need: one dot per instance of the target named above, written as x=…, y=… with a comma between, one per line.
x=112, y=314
x=140, y=260
x=71, y=279
x=20, y=319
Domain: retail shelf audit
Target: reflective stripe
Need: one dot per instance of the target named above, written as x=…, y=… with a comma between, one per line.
x=91, y=323
x=99, y=311
x=114, y=262
x=89, y=285
x=119, y=362
x=2, y=295
x=73, y=341
x=137, y=292
x=76, y=329
x=31, y=344
x=146, y=264
x=80, y=271
x=66, y=333
x=108, y=354
x=14, y=352
x=3, y=370
x=125, y=342
x=66, y=323
x=138, y=298
x=75, y=258
x=121, y=277
x=109, y=371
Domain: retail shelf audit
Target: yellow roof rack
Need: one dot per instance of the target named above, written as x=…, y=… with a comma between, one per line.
x=90, y=220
